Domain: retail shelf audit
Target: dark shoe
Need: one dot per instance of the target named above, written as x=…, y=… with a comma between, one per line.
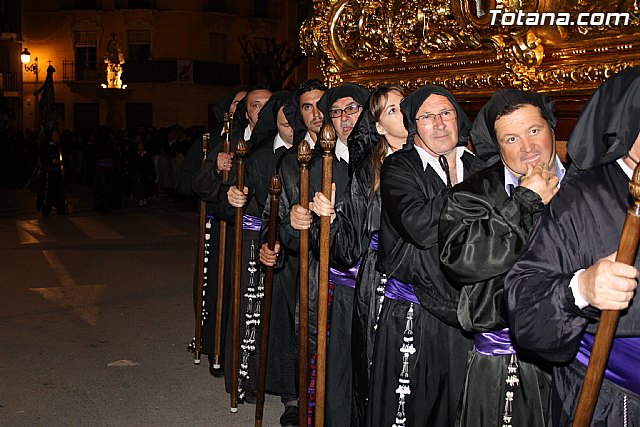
x=216, y=372
x=289, y=417
x=250, y=397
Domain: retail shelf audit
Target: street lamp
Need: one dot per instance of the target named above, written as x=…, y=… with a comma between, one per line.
x=25, y=57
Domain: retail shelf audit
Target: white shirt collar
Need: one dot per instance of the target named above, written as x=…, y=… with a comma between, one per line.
x=247, y=133
x=279, y=142
x=342, y=151
x=625, y=168
x=511, y=179
x=434, y=162
x=307, y=137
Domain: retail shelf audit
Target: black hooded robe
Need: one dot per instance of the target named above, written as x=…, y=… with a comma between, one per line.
x=582, y=224
x=412, y=198
x=189, y=168
x=482, y=233
x=409, y=253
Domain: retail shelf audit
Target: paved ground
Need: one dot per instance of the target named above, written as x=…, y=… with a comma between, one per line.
x=96, y=315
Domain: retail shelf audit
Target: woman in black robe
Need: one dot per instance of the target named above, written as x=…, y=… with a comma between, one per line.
x=552, y=302
x=355, y=226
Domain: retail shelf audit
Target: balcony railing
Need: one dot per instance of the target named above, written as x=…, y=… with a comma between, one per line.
x=8, y=83
x=86, y=73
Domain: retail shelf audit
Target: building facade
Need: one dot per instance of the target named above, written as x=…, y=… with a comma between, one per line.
x=179, y=57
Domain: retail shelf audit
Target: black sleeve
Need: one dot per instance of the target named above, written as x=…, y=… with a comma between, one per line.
x=542, y=311
x=412, y=213
x=480, y=239
x=348, y=230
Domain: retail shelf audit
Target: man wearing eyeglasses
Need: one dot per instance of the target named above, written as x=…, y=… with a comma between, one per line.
x=420, y=352
x=341, y=106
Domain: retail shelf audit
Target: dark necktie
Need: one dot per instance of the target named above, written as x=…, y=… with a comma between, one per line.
x=444, y=164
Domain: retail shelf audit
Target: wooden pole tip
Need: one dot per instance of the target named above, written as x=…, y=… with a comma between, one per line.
x=242, y=148
x=304, y=152
x=276, y=185
x=328, y=137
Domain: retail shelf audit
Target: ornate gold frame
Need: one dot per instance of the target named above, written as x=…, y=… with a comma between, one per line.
x=450, y=43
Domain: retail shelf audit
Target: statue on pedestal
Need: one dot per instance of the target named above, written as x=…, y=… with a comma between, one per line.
x=114, y=60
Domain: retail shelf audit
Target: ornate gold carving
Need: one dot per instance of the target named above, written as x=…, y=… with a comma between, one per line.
x=452, y=43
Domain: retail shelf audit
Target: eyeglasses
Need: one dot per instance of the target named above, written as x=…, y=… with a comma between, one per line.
x=429, y=119
x=349, y=110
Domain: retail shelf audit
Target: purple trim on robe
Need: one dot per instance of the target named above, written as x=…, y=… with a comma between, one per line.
x=373, y=244
x=344, y=277
x=251, y=223
x=624, y=361
x=395, y=289
x=494, y=343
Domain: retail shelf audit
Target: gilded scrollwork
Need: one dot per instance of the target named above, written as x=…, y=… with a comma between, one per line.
x=455, y=43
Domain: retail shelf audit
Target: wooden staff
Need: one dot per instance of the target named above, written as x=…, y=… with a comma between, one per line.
x=304, y=157
x=201, y=261
x=627, y=249
x=242, y=149
x=328, y=142
x=222, y=248
x=274, y=189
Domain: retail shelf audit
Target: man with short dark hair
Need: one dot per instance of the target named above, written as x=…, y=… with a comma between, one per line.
x=484, y=225
x=567, y=273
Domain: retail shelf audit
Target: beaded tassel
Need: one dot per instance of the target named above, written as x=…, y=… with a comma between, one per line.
x=380, y=294
x=205, y=279
x=404, y=388
x=513, y=382
x=248, y=346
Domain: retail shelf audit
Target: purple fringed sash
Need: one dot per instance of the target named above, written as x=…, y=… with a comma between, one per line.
x=494, y=343
x=398, y=290
x=251, y=223
x=624, y=360
x=373, y=244
x=344, y=277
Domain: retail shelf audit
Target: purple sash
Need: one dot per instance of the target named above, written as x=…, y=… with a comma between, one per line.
x=624, y=361
x=251, y=223
x=373, y=244
x=494, y=343
x=395, y=289
x=344, y=277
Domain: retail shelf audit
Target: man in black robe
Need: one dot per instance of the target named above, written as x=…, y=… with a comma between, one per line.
x=419, y=353
x=189, y=167
x=207, y=184
x=341, y=106
x=282, y=364
x=484, y=226
x=567, y=273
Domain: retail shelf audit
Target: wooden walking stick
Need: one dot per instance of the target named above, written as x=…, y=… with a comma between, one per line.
x=274, y=189
x=328, y=142
x=201, y=261
x=627, y=249
x=242, y=149
x=304, y=157
x=217, y=337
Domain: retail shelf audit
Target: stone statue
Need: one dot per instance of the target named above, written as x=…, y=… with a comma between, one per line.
x=114, y=60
